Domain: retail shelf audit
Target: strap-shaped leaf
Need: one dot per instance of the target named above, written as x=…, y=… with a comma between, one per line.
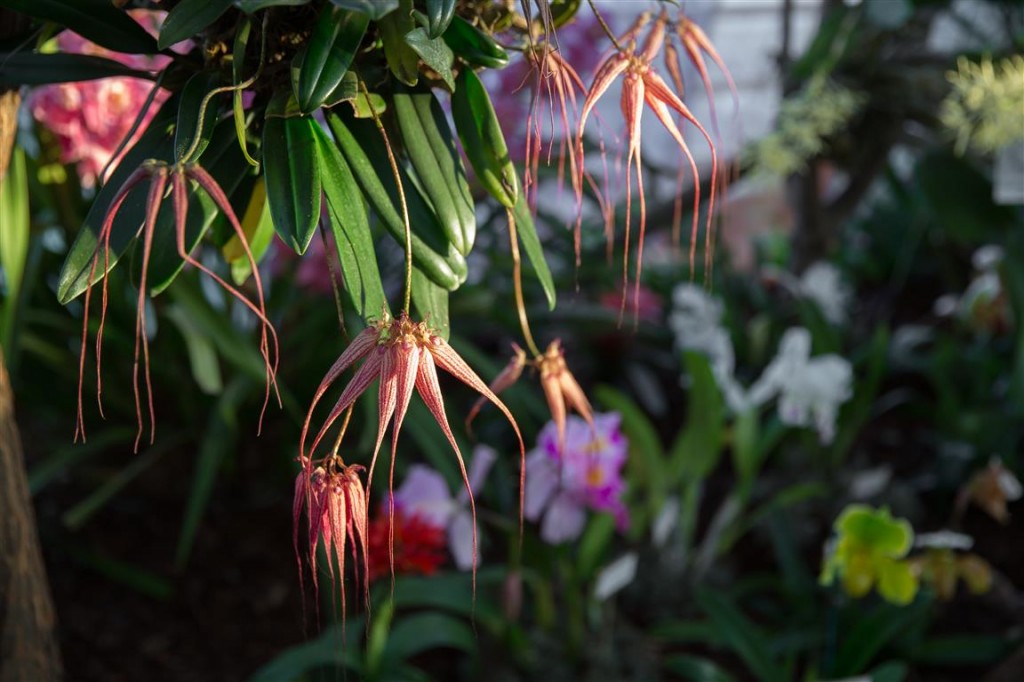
x=473, y=45
x=375, y=9
x=439, y=16
x=250, y=6
x=402, y=59
x=33, y=68
x=189, y=111
x=189, y=18
x=431, y=302
x=156, y=143
x=293, y=178
x=98, y=20
x=336, y=37
x=224, y=162
x=527, y=231
x=434, y=52
x=351, y=229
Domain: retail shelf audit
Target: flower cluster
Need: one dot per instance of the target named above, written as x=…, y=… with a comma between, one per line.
x=90, y=118
x=809, y=389
x=983, y=108
x=586, y=473
x=805, y=123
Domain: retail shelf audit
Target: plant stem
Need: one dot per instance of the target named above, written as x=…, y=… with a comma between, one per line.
x=517, y=283
x=604, y=26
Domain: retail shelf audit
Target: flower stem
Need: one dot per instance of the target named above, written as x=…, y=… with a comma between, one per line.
x=341, y=434
x=604, y=26
x=517, y=283
x=401, y=197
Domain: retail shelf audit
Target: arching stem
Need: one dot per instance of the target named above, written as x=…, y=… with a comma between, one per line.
x=517, y=283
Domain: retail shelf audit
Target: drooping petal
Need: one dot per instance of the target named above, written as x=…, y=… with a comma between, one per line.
x=359, y=348
x=508, y=376
x=370, y=370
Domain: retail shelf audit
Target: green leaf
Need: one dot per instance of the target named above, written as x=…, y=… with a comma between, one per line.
x=238, y=52
x=870, y=634
x=35, y=68
x=338, y=646
x=251, y=6
x=292, y=171
x=351, y=228
x=202, y=354
x=375, y=9
x=427, y=631
x=431, y=301
x=98, y=20
x=696, y=669
x=65, y=457
x=527, y=232
x=957, y=650
x=434, y=53
x=155, y=143
x=336, y=37
x=699, y=447
x=189, y=111
x=959, y=197
x=594, y=543
x=80, y=513
x=189, y=18
x=474, y=46
x=220, y=437
x=14, y=238
x=402, y=59
x=439, y=16
x=258, y=227
x=742, y=636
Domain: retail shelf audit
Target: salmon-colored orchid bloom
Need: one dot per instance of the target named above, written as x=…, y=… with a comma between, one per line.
x=335, y=503
x=179, y=176
x=642, y=86
x=404, y=355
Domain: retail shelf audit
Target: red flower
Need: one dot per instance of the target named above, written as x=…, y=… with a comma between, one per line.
x=413, y=546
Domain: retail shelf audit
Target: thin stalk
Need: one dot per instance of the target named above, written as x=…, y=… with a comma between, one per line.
x=187, y=156
x=341, y=434
x=135, y=127
x=517, y=283
x=401, y=196
x=604, y=26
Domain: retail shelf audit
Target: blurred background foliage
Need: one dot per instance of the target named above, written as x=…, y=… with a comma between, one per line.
x=822, y=471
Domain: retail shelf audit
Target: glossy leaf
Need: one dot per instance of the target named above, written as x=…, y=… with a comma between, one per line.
x=434, y=53
x=250, y=6
x=258, y=228
x=351, y=229
x=431, y=302
x=483, y=141
x=527, y=232
x=426, y=631
x=338, y=647
x=336, y=37
x=189, y=111
x=156, y=143
x=402, y=59
x=474, y=46
x=34, y=68
x=439, y=16
x=98, y=20
x=363, y=149
x=699, y=446
x=189, y=18
x=292, y=174
x=375, y=9
x=238, y=71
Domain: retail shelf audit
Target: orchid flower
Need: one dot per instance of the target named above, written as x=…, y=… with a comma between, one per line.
x=425, y=494
x=643, y=86
x=563, y=481
x=404, y=355
x=179, y=176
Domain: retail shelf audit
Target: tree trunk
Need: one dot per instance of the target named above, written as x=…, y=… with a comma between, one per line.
x=28, y=643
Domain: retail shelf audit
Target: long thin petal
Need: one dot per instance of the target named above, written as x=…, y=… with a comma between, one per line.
x=369, y=371
x=575, y=397
x=156, y=194
x=385, y=407
x=450, y=361
x=359, y=348
x=430, y=390
x=508, y=376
